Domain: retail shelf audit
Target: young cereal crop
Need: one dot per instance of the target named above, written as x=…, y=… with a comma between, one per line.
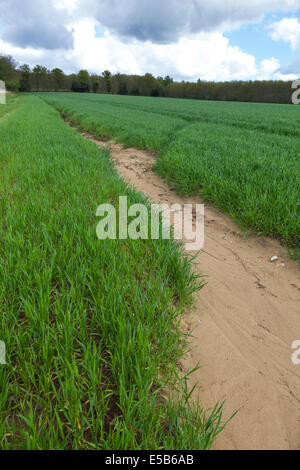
x=11, y=102
x=91, y=328
x=269, y=118
x=136, y=128
x=243, y=157
x=254, y=177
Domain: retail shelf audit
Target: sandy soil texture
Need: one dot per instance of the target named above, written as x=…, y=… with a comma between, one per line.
x=244, y=321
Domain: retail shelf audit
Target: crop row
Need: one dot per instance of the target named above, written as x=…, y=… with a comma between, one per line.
x=269, y=118
x=91, y=329
x=243, y=157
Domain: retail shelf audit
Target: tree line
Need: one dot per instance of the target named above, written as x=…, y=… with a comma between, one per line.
x=39, y=78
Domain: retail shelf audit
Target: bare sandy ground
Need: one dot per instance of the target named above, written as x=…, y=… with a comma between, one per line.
x=244, y=321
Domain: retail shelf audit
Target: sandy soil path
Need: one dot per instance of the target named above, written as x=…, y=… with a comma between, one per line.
x=244, y=321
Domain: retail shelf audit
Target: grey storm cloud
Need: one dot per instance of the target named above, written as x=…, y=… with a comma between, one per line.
x=163, y=21
x=34, y=23
x=38, y=24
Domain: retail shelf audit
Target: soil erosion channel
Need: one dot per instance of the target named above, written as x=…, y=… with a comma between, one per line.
x=246, y=318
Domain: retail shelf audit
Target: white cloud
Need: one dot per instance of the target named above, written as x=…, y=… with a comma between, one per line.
x=285, y=76
x=267, y=68
x=287, y=30
x=21, y=54
x=69, y=5
x=32, y=56
x=208, y=56
x=270, y=69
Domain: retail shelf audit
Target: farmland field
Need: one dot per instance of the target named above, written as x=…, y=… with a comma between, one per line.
x=11, y=103
x=243, y=157
x=91, y=329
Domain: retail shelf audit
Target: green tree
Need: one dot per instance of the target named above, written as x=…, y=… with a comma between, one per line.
x=81, y=82
x=148, y=85
x=58, y=76
x=39, y=73
x=95, y=87
x=8, y=70
x=119, y=84
x=167, y=80
x=25, y=73
x=108, y=80
x=84, y=80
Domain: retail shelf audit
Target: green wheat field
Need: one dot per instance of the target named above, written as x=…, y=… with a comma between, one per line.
x=92, y=328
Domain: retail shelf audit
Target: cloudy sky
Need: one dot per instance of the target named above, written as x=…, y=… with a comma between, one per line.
x=187, y=39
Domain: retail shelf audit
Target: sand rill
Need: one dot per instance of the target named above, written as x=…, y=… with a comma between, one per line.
x=243, y=322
